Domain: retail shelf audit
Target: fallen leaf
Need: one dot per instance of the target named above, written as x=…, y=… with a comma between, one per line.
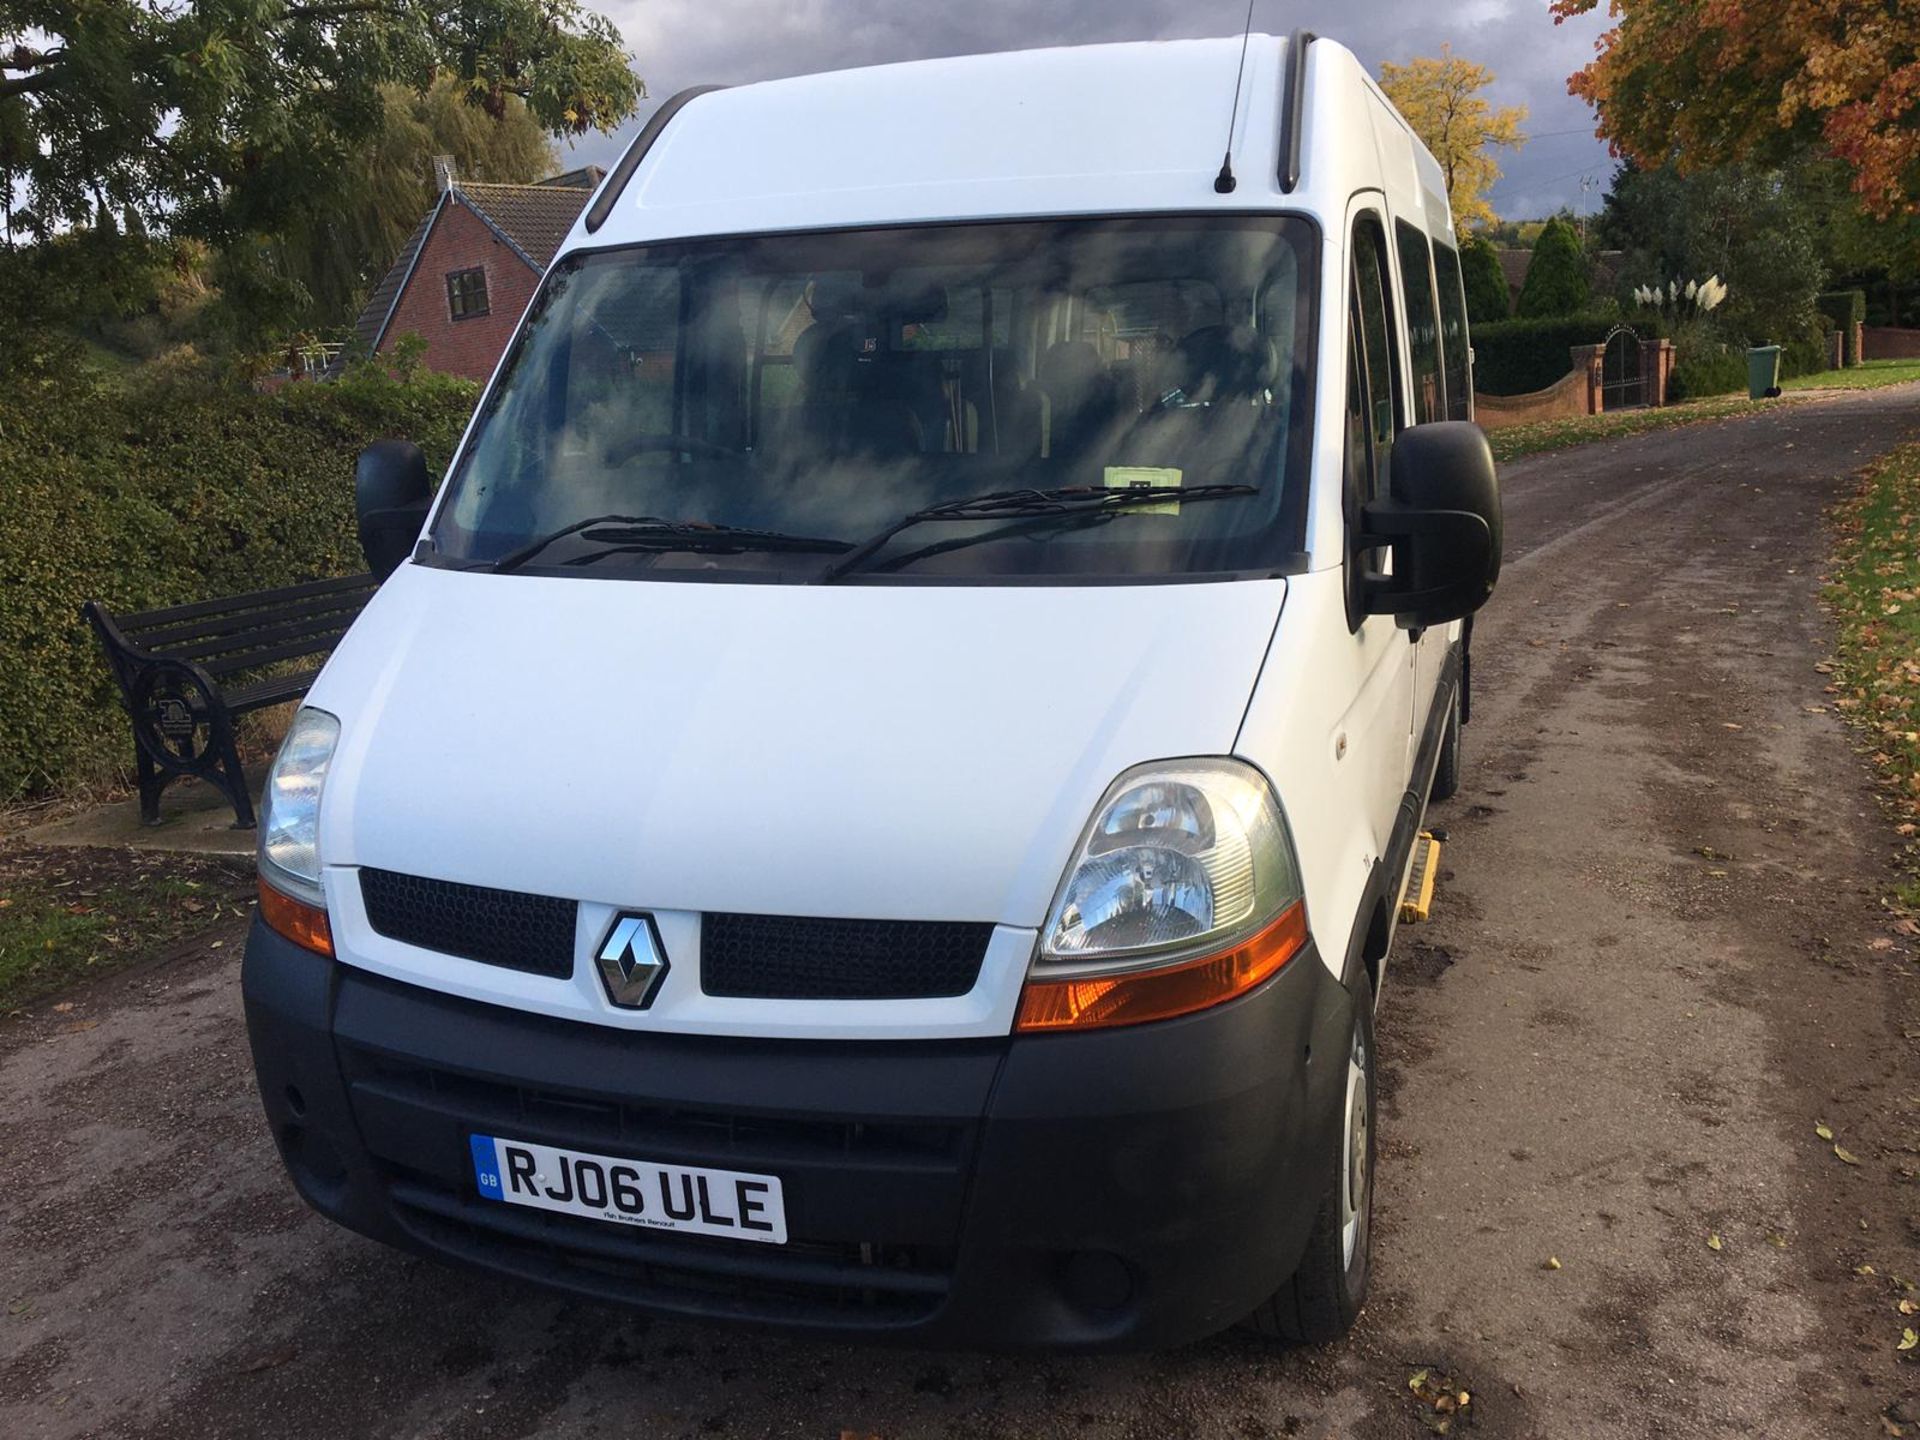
x=1777, y=1240
x=1823, y=1132
x=269, y=1360
x=1910, y=1307
x=1908, y=1339
x=63, y=1007
x=1714, y=1242
x=1847, y=1157
x=1553, y=1262
x=1863, y=1270
x=1880, y=943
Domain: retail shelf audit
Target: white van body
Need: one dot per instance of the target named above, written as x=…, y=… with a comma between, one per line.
x=674, y=743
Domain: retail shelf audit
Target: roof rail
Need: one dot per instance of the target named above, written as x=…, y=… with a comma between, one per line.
x=1293, y=105
x=611, y=187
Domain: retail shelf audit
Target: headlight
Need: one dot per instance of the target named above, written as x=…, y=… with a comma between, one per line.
x=1184, y=892
x=290, y=813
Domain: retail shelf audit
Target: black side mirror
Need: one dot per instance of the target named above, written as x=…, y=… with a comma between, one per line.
x=390, y=496
x=1440, y=521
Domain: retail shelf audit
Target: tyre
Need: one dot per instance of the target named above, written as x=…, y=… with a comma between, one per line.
x=1446, y=775
x=1322, y=1298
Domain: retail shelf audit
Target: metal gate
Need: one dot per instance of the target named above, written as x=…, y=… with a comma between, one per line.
x=1622, y=387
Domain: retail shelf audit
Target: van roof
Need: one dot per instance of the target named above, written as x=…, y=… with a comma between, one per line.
x=1101, y=129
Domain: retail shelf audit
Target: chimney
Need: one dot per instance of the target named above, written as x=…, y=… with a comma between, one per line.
x=443, y=176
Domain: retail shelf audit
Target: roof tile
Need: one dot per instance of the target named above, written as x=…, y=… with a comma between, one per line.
x=533, y=218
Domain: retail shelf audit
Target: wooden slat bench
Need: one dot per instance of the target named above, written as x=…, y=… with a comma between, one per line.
x=185, y=672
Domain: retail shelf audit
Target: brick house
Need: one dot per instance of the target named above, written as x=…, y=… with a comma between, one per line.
x=468, y=270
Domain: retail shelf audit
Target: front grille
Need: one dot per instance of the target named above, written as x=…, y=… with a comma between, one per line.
x=533, y=933
x=729, y=1138
x=746, y=957
x=775, y=957
x=850, y=1286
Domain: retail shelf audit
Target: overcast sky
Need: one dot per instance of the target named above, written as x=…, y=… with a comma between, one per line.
x=677, y=43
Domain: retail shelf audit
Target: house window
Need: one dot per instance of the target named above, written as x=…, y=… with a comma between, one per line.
x=467, y=293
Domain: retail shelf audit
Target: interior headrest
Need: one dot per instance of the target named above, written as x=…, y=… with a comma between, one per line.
x=1223, y=363
x=827, y=353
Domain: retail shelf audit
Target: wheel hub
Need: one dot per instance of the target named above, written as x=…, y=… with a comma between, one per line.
x=1356, y=1154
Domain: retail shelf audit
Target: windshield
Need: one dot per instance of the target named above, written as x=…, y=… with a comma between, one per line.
x=808, y=392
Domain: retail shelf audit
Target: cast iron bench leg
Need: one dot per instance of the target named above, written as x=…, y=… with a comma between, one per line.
x=228, y=773
x=152, y=782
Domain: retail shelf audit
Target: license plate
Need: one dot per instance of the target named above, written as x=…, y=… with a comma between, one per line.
x=631, y=1192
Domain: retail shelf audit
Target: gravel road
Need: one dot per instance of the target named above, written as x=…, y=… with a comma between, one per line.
x=1659, y=959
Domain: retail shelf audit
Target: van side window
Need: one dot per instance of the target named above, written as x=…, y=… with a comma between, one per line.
x=1359, y=451
x=1423, y=326
x=1453, y=324
x=1378, y=350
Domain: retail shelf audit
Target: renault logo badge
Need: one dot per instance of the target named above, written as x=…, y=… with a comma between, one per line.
x=633, y=962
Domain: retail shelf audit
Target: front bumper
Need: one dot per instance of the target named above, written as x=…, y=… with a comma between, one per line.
x=1131, y=1188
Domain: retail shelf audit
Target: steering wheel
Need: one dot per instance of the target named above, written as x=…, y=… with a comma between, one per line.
x=643, y=444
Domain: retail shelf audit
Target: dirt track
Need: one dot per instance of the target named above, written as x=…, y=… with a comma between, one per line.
x=1659, y=960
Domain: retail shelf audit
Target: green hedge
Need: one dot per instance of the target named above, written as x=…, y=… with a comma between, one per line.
x=1518, y=357
x=1844, y=307
x=1703, y=370
x=1807, y=356
x=159, y=490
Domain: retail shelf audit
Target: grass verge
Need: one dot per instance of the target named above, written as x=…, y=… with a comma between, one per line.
x=69, y=914
x=1518, y=440
x=1873, y=591
x=1870, y=376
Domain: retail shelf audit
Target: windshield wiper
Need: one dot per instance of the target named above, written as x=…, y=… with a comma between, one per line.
x=618, y=533
x=1073, y=500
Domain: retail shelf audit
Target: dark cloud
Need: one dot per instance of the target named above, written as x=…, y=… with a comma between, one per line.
x=686, y=42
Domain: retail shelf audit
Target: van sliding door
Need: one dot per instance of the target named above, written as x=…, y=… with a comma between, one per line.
x=1376, y=412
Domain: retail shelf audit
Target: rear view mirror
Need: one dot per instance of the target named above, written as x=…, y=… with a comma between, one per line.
x=390, y=496
x=1440, y=521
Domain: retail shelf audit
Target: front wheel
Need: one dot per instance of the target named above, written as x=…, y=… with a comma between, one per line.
x=1322, y=1298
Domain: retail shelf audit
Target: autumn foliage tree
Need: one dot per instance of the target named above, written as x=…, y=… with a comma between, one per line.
x=1701, y=83
x=1440, y=97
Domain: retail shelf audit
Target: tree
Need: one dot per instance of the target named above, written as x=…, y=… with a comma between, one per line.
x=1487, y=295
x=385, y=186
x=1440, y=97
x=1762, y=231
x=232, y=121
x=1558, y=282
x=1701, y=85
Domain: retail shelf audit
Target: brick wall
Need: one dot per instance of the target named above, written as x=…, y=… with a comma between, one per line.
x=1565, y=397
x=1885, y=343
x=469, y=347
